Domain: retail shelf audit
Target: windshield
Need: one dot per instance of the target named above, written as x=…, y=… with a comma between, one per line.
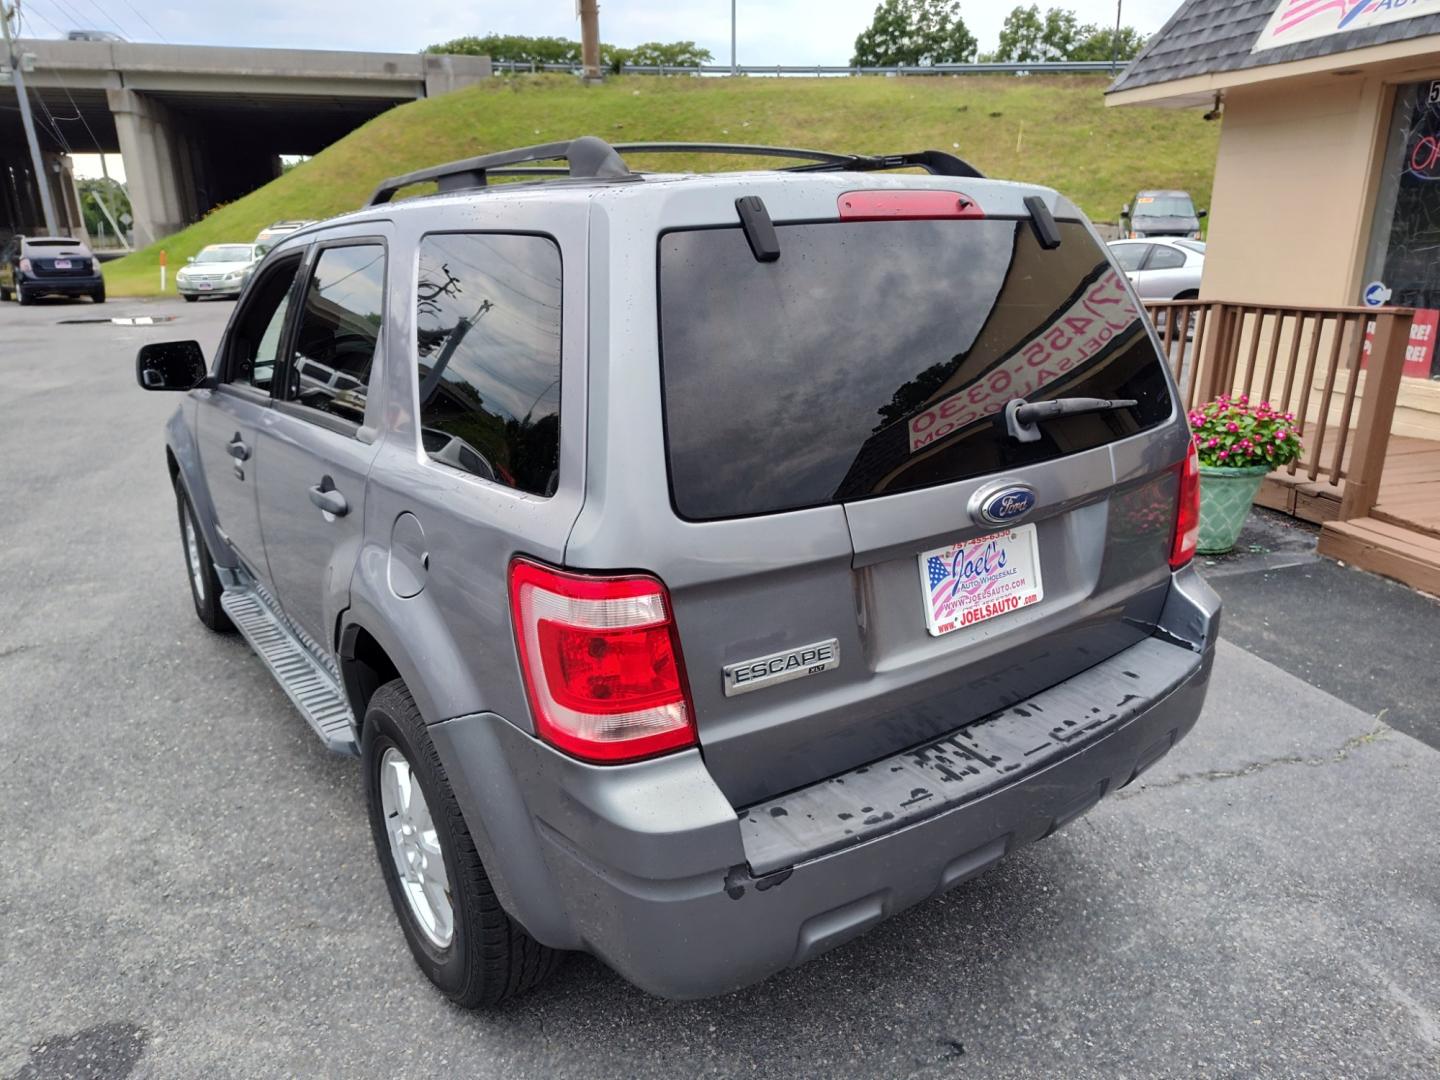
x=226, y=253
x=873, y=358
x=1163, y=206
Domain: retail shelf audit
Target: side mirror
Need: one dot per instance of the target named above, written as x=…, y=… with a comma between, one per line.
x=190, y=259
x=1201, y=213
x=1125, y=210
x=170, y=365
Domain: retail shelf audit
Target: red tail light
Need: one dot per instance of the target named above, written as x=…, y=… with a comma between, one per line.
x=601, y=661
x=1187, y=513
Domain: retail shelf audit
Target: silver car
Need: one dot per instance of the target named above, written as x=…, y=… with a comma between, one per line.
x=824, y=536
x=219, y=270
x=1164, y=268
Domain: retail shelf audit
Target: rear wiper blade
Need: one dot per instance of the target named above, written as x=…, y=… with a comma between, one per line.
x=1022, y=417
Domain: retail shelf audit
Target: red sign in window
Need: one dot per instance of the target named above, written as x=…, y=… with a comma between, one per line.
x=1420, y=351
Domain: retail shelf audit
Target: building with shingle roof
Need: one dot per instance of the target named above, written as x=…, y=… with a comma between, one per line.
x=1327, y=178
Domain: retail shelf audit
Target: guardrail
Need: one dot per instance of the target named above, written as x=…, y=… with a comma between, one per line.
x=1047, y=67
x=1337, y=369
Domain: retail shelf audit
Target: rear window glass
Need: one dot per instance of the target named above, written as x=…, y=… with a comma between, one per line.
x=873, y=358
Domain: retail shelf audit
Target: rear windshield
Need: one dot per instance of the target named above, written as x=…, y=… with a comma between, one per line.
x=873, y=358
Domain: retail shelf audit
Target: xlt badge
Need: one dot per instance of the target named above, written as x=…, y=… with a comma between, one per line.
x=781, y=667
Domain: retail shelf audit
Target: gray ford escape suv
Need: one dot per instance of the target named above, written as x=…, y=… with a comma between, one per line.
x=704, y=568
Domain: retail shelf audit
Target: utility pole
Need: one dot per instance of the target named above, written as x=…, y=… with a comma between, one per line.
x=590, y=40
x=734, y=68
x=1115, y=41
x=42, y=178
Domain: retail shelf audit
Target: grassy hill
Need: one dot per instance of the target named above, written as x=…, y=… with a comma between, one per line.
x=1050, y=130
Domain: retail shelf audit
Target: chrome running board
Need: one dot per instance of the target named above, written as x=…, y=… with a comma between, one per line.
x=307, y=680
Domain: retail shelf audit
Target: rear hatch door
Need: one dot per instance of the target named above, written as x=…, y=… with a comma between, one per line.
x=865, y=372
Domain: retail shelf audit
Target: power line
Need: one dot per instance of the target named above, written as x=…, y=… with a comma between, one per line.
x=141, y=16
x=107, y=16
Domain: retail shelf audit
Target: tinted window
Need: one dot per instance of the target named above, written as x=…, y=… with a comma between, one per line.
x=1165, y=258
x=254, y=343
x=874, y=357
x=339, y=328
x=1130, y=256
x=488, y=328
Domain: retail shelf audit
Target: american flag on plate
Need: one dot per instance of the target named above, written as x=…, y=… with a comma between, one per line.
x=977, y=579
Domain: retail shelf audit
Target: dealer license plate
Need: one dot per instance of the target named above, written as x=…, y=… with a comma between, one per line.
x=977, y=579
x=62, y=264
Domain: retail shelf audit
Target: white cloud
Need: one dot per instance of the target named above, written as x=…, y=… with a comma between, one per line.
x=770, y=31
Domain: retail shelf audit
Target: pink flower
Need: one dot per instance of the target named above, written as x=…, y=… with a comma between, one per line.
x=1244, y=399
x=1290, y=416
x=1265, y=405
x=1213, y=442
x=1223, y=454
x=1232, y=426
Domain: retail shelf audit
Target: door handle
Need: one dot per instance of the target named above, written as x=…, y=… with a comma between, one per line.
x=328, y=499
x=238, y=450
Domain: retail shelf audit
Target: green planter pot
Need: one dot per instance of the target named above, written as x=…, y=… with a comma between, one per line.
x=1225, y=498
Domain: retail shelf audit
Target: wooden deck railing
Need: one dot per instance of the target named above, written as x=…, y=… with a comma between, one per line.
x=1307, y=360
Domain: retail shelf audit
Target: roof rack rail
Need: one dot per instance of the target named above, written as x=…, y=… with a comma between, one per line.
x=589, y=157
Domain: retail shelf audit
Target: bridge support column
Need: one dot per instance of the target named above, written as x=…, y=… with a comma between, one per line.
x=151, y=146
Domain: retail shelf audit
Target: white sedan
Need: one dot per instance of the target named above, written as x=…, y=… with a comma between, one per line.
x=1162, y=268
x=219, y=270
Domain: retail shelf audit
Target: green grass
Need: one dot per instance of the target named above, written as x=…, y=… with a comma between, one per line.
x=1053, y=131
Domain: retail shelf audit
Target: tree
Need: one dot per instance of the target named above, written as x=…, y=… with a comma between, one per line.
x=916, y=33
x=115, y=198
x=1098, y=43
x=552, y=50
x=1029, y=36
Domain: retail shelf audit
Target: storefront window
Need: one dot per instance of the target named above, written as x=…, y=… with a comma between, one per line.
x=1405, y=235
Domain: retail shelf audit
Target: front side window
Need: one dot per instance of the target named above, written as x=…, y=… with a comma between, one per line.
x=255, y=342
x=339, y=330
x=488, y=341
x=1130, y=256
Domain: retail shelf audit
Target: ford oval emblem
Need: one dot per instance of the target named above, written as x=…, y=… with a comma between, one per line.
x=1003, y=505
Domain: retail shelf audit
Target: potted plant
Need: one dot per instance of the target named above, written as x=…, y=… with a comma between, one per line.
x=1237, y=445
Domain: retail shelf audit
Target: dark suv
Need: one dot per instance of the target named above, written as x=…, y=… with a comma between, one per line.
x=704, y=567
x=35, y=266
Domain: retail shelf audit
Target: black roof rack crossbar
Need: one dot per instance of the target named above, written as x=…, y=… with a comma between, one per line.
x=587, y=157
x=591, y=158
x=934, y=161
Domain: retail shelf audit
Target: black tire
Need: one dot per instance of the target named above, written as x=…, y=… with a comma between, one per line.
x=25, y=298
x=206, y=592
x=98, y=295
x=4, y=294
x=190, y=299
x=490, y=957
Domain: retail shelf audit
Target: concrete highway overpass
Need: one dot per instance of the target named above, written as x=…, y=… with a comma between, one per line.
x=196, y=126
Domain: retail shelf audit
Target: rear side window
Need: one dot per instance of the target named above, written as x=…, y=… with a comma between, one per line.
x=488, y=339
x=873, y=358
x=1166, y=258
x=339, y=329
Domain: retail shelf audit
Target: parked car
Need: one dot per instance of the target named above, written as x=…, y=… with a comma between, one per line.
x=36, y=266
x=1161, y=213
x=219, y=270
x=768, y=605
x=271, y=235
x=1161, y=269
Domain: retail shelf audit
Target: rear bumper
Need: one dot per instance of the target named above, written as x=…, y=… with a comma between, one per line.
x=649, y=867
x=67, y=286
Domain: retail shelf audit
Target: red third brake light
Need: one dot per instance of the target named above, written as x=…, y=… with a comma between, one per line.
x=601, y=661
x=883, y=205
x=1187, y=512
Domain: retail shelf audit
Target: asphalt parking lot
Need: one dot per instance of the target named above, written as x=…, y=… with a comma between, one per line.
x=188, y=887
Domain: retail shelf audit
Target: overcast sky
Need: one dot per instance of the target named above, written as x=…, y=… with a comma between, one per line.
x=770, y=31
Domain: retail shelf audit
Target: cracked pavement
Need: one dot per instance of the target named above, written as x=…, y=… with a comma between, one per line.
x=188, y=887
